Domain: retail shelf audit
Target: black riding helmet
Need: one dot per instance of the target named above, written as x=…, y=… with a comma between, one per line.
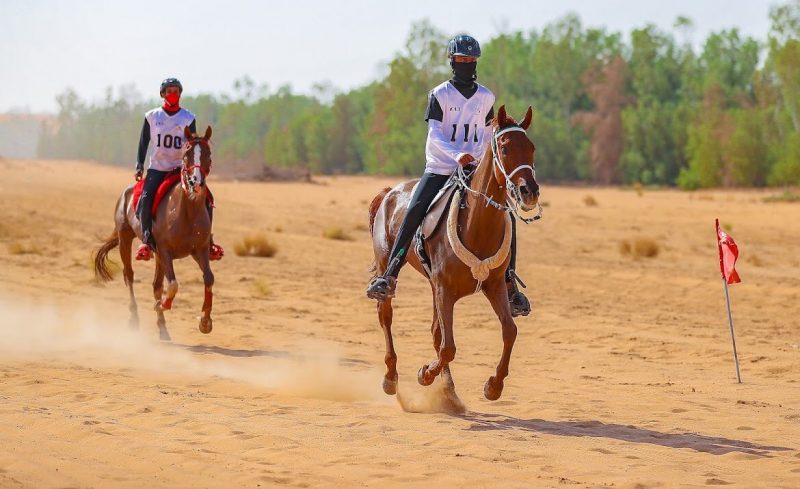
x=170, y=82
x=463, y=45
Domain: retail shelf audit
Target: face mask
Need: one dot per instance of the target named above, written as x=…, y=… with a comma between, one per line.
x=173, y=99
x=465, y=72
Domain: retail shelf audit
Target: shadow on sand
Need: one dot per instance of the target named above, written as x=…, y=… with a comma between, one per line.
x=231, y=352
x=596, y=429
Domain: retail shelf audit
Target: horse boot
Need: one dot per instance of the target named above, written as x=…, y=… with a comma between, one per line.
x=383, y=286
x=215, y=251
x=520, y=305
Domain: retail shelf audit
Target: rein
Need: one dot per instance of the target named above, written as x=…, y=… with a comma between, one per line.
x=513, y=194
x=480, y=269
x=187, y=169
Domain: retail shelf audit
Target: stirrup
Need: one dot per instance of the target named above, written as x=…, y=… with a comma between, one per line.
x=520, y=305
x=382, y=288
x=144, y=253
x=216, y=252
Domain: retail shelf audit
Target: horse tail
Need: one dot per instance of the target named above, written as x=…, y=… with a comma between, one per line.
x=373, y=207
x=373, y=211
x=101, y=271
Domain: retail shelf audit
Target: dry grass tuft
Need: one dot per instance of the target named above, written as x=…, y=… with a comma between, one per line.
x=361, y=227
x=336, y=233
x=639, y=188
x=17, y=248
x=640, y=248
x=278, y=229
x=786, y=196
x=728, y=227
x=255, y=245
x=645, y=248
x=590, y=201
x=262, y=288
x=755, y=260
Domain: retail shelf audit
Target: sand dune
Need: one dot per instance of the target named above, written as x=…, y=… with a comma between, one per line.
x=622, y=378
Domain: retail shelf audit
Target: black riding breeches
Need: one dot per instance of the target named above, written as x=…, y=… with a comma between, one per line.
x=512, y=264
x=152, y=181
x=429, y=185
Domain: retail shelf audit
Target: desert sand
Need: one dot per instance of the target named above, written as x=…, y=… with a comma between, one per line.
x=622, y=377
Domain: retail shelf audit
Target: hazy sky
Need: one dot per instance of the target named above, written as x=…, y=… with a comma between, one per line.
x=46, y=46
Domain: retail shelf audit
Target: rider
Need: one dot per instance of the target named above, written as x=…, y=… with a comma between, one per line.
x=164, y=126
x=459, y=116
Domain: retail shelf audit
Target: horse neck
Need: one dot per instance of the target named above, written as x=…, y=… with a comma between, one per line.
x=191, y=206
x=484, y=224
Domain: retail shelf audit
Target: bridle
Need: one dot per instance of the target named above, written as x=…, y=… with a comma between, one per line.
x=188, y=170
x=513, y=202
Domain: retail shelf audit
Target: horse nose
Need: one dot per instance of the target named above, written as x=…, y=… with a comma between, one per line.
x=527, y=190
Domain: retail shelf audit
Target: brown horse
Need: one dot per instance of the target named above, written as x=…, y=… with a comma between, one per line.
x=181, y=227
x=479, y=235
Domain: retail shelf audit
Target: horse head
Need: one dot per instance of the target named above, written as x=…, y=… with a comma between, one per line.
x=196, y=160
x=513, y=158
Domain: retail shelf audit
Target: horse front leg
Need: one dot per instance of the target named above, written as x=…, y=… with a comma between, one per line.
x=443, y=309
x=498, y=297
x=172, y=282
x=158, y=291
x=385, y=315
x=203, y=261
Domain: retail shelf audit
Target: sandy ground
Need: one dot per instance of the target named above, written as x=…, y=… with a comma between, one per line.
x=623, y=377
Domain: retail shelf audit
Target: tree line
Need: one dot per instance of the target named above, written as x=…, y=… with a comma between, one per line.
x=645, y=108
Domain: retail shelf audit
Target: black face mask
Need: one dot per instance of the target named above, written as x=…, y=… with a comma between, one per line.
x=465, y=73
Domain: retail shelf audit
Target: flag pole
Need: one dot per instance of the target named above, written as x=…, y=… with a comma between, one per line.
x=728, y=303
x=733, y=337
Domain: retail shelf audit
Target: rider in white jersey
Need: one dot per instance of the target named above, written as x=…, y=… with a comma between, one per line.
x=164, y=127
x=459, y=116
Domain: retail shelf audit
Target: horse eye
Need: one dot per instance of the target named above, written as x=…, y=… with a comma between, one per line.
x=505, y=151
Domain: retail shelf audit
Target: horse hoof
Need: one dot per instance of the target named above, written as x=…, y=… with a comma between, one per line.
x=492, y=389
x=422, y=376
x=390, y=386
x=166, y=304
x=205, y=325
x=163, y=334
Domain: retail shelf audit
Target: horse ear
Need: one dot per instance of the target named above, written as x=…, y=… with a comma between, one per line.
x=526, y=122
x=501, y=115
x=187, y=133
x=208, y=133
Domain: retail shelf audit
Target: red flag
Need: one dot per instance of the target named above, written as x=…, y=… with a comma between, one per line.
x=728, y=253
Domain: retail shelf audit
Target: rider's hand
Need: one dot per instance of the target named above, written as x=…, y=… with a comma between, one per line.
x=139, y=173
x=465, y=159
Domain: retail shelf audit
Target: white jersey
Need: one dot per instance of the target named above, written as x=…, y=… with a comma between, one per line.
x=167, y=138
x=462, y=129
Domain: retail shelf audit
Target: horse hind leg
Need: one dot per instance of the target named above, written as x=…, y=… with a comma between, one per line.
x=385, y=315
x=125, y=245
x=158, y=291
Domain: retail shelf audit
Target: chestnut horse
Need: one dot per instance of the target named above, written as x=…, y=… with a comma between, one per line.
x=181, y=227
x=479, y=235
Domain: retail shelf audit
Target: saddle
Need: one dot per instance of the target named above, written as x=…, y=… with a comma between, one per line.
x=437, y=213
x=166, y=185
x=170, y=181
